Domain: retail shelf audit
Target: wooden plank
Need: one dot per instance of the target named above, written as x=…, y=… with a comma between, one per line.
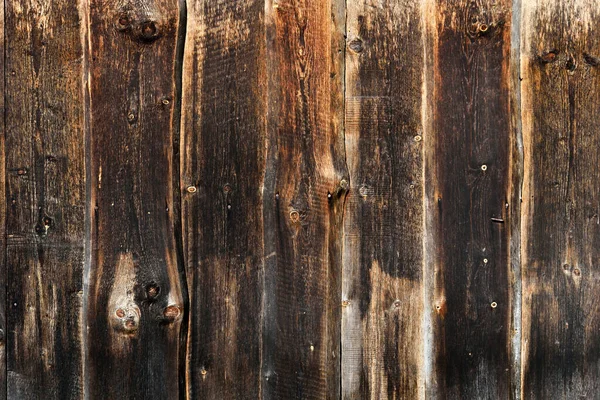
x=468, y=162
x=45, y=198
x=561, y=199
x=223, y=163
x=3, y=272
x=134, y=298
x=305, y=188
x=383, y=223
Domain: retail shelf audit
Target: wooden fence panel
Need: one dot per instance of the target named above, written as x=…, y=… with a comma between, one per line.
x=223, y=162
x=299, y=199
x=45, y=199
x=561, y=199
x=468, y=168
x=134, y=299
x=305, y=188
x=383, y=221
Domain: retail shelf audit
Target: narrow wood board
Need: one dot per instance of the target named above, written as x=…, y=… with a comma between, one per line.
x=223, y=150
x=45, y=198
x=382, y=341
x=135, y=301
x=561, y=199
x=468, y=162
x=305, y=188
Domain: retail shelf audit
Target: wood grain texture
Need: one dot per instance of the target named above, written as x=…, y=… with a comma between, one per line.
x=383, y=223
x=223, y=164
x=45, y=198
x=3, y=267
x=561, y=200
x=468, y=160
x=305, y=188
x=134, y=300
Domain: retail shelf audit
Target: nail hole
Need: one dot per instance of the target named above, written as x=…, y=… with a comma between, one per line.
x=120, y=313
x=191, y=189
x=418, y=138
x=570, y=64
x=484, y=167
x=494, y=304
x=577, y=272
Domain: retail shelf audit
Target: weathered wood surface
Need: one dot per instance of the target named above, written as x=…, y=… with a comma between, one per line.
x=383, y=221
x=134, y=297
x=561, y=199
x=45, y=199
x=299, y=199
x=468, y=209
x=305, y=188
x=223, y=161
x=3, y=267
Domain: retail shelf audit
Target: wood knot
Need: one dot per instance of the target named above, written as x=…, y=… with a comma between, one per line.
x=148, y=31
x=152, y=290
x=356, y=45
x=171, y=313
x=127, y=319
x=139, y=26
x=548, y=56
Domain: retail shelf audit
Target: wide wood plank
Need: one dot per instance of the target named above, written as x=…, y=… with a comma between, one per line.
x=383, y=222
x=305, y=188
x=45, y=198
x=561, y=199
x=223, y=165
x=468, y=153
x=135, y=300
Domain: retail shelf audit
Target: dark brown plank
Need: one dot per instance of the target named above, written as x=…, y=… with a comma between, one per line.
x=134, y=299
x=223, y=163
x=3, y=272
x=45, y=198
x=561, y=199
x=305, y=188
x=468, y=155
x=383, y=222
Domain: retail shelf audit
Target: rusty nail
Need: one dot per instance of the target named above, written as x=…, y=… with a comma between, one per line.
x=120, y=313
x=577, y=272
x=131, y=116
x=345, y=303
x=344, y=184
x=483, y=28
